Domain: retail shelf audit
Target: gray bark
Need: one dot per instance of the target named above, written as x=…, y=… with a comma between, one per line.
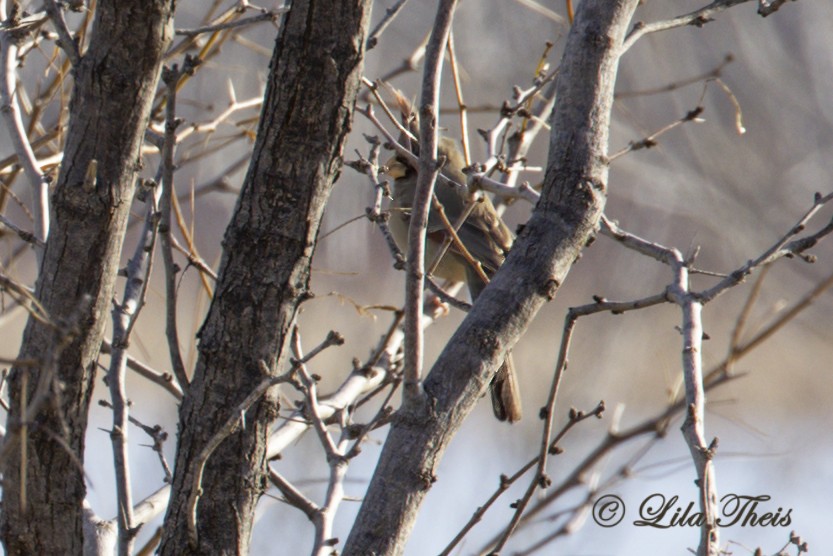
x=314, y=76
x=564, y=220
x=111, y=101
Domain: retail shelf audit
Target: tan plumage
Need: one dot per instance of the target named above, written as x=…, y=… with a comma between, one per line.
x=484, y=234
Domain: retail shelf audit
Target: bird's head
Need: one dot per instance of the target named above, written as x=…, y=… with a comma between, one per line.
x=397, y=168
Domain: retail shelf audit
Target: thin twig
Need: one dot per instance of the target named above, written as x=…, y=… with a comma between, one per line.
x=446, y=297
x=325, y=516
x=651, y=140
x=385, y=360
x=507, y=481
x=293, y=496
x=479, y=178
x=195, y=260
x=743, y=317
x=165, y=380
x=65, y=40
x=14, y=123
x=409, y=64
x=124, y=319
x=390, y=15
x=271, y=15
x=713, y=73
x=785, y=317
x=171, y=78
x=227, y=429
x=426, y=178
x=28, y=237
x=656, y=425
x=157, y=434
x=192, y=255
x=697, y=18
x=25, y=297
x=539, y=9
x=691, y=304
x=784, y=247
x=458, y=91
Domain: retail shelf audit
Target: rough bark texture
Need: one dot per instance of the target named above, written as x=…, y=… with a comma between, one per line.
x=563, y=221
x=114, y=88
x=314, y=77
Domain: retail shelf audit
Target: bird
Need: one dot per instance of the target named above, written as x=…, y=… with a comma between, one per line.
x=484, y=235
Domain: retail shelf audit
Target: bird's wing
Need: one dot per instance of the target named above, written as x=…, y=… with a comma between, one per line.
x=486, y=234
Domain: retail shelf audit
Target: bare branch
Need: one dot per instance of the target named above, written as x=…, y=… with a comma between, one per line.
x=28, y=237
x=124, y=319
x=165, y=380
x=157, y=434
x=390, y=15
x=651, y=140
x=698, y=18
x=14, y=123
x=271, y=16
x=784, y=247
x=171, y=77
x=458, y=91
x=56, y=14
x=234, y=421
x=428, y=170
x=293, y=496
x=576, y=185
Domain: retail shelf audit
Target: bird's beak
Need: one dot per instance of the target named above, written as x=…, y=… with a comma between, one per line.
x=395, y=168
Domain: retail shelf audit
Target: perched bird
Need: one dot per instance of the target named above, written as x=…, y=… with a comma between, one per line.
x=484, y=235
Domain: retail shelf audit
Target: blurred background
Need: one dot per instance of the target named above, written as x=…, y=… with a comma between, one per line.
x=703, y=186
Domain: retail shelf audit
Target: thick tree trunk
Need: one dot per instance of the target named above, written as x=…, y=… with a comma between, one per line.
x=114, y=89
x=314, y=77
x=564, y=220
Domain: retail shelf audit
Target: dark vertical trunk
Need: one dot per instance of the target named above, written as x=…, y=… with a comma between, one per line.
x=114, y=89
x=314, y=76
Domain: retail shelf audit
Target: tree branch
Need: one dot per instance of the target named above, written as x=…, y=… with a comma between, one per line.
x=263, y=278
x=91, y=203
x=563, y=221
x=428, y=169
